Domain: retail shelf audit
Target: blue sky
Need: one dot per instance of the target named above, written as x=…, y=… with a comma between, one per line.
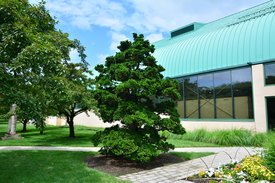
x=101, y=24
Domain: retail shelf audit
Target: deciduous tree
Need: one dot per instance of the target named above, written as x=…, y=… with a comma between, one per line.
x=33, y=59
x=77, y=94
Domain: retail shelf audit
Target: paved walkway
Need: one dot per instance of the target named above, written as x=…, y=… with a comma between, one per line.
x=175, y=173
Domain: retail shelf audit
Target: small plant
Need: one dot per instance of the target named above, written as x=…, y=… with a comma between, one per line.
x=251, y=169
x=253, y=166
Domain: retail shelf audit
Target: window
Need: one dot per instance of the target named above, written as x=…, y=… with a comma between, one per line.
x=206, y=91
x=242, y=93
x=191, y=97
x=269, y=73
x=224, y=94
x=180, y=103
x=222, y=84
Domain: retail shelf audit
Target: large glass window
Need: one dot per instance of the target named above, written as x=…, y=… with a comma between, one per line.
x=224, y=94
x=206, y=91
x=180, y=103
x=242, y=93
x=222, y=84
x=191, y=97
x=270, y=73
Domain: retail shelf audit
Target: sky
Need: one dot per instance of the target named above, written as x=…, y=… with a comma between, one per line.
x=100, y=25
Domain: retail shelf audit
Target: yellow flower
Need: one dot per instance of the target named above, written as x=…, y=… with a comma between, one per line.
x=217, y=174
x=202, y=174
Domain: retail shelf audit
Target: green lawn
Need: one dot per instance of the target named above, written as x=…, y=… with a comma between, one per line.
x=49, y=166
x=56, y=166
x=189, y=143
x=58, y=136
x=53, y=136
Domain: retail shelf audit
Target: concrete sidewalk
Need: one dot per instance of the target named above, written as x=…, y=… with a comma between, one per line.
x=177, y=173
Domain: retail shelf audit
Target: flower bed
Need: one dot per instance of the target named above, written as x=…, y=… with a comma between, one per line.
x=250, y=169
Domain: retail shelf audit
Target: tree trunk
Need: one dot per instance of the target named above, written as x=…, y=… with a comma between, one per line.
x=71, y=126
x=25, y=121
x=41, y=127
x=41, y=131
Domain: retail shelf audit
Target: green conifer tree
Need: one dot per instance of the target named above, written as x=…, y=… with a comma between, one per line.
x=131, y=89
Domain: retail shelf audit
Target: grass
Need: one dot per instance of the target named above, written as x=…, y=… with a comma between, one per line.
x=189, y=143
x=58, y=136
x=53, y=136
x=57, y=166
x=49, y=166
x=237, y=137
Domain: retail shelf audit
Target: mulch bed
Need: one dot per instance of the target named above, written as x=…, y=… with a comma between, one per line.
x=118, y=166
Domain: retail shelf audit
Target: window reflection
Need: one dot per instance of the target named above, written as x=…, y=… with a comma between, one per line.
x=222, y=84
x=180, y=103
x=224, y=94
x=242, y=92
x=191, y=97
x=206, y=91
x=269, y=73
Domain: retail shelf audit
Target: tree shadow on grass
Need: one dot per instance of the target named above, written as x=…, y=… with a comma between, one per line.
x=60, y=140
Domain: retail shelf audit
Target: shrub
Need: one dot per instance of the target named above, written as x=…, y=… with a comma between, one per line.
x=236, y=137
x=133, y=145
x=270, y=153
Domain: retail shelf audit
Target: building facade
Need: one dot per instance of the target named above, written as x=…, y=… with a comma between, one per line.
x=225, y=69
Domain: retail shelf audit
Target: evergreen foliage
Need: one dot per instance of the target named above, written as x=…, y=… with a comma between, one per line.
x=131, y=89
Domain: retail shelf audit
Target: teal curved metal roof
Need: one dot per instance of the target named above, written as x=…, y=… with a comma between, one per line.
x=247, y=37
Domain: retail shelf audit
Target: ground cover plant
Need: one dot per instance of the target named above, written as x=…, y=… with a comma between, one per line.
x=250, y=169
x=235, y=137
x=49, y=166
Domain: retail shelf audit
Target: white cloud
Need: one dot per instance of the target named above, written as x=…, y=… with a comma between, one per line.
x=142, y=15
x=101, y=58
x=86, y=13
x=74, y=56
x=116, y=39
x=166, y=15
x=149, y=17
x=154, y=37
x=34, y=1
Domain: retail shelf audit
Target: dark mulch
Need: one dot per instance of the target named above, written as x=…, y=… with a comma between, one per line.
x=199, y=180
x=204, y=180
x=119, y=166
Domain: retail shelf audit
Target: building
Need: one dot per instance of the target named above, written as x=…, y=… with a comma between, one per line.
x=226, y=70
